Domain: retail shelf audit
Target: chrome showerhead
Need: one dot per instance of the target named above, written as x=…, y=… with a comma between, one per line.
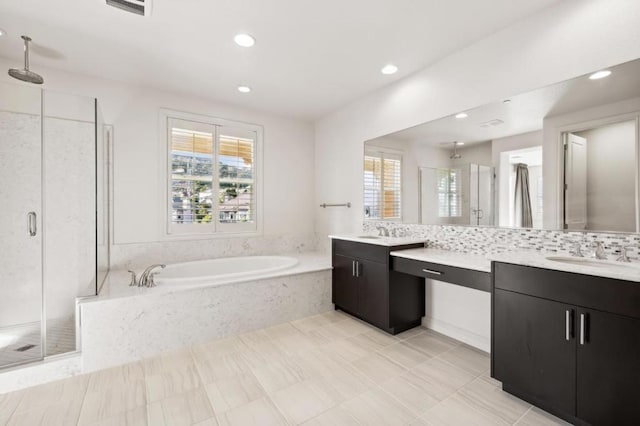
x=454, y=155
x=24, y=74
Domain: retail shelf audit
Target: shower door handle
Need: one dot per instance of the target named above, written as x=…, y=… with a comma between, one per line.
x=32, y=225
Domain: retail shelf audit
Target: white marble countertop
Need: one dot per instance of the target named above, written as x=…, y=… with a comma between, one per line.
x=600, y=268
x=379, y=241
x=457, y=259
x=117, y=282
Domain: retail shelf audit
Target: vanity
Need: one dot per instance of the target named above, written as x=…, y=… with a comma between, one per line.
x=565, y=331
x=381, y=280
x=568, y=342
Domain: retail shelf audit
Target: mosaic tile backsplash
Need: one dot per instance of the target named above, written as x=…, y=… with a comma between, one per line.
x=484, y=240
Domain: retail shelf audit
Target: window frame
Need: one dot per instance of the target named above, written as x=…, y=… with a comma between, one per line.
x=215, y=229
x=389, y=154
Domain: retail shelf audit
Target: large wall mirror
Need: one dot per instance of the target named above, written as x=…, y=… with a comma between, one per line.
x=560, y=157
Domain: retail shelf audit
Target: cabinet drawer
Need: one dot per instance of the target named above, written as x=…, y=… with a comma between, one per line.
x=605, y=294
x=371, y=252
x=451, y=274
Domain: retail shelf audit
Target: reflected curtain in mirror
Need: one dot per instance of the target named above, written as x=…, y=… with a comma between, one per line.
x=522, y=198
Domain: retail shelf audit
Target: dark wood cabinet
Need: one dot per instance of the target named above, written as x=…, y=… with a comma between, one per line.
x=364, y=286
x=608, y=369
x=531, y=350
x=555, y=345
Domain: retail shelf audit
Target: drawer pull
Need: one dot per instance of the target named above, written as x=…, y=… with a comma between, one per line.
x=429, y=271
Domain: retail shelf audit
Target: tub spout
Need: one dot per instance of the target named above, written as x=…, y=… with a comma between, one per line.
x=146, y=278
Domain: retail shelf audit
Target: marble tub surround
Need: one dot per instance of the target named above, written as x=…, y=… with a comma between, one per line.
x=327, y=369
x=117, y=282
x=378, y=240
x=605, y=268
x=485, y=240
x=141, y=255
x=476, y=262
x=118, y=329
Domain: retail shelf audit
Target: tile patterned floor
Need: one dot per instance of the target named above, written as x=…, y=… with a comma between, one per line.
x=328, y=369
x=61, y=338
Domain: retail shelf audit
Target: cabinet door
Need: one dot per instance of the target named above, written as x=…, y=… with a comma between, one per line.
x=344, y=283
x=531, y=352
x=609, y=369
x=374, y=292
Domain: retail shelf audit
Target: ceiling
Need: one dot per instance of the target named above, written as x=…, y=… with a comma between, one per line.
x=311, y=57
x=525, y=112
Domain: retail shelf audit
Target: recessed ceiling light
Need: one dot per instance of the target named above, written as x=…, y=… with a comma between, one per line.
x=462, y=115
x=244, y=40
x=600, y=74
x=244, y=89
x=389, y=69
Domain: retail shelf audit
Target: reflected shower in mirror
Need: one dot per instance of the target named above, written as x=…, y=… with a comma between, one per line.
x=563, y=156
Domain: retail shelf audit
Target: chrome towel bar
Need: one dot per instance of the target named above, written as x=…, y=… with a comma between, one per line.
x=325, y=205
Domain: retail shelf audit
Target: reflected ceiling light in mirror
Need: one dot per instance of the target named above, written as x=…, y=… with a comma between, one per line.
x=506, y=101
x=462, y=115
x=600, y=74
x=244, y=89
x=244, y=40
x=2, y=32
x=389, y=69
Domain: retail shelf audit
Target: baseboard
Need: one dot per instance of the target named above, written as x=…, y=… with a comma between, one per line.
x=470, y=338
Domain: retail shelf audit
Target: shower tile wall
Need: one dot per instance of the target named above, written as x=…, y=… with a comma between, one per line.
x=20, y=273
x=69, y=190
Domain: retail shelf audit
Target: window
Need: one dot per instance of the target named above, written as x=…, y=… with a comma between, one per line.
x=212, y=175
x=449, y=192
x=382, y=186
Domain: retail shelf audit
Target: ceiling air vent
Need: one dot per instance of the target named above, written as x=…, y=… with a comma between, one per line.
x=492, y=123
x=139, y=7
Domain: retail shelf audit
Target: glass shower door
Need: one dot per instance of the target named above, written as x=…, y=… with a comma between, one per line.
x=20, y=224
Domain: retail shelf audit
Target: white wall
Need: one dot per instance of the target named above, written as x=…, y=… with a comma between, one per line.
x=562, y=42
x=611, y=177
x=289, y=205
x=553, y=155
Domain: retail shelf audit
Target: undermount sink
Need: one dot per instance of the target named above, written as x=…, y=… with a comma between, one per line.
x=596, y=263
x=371, y=237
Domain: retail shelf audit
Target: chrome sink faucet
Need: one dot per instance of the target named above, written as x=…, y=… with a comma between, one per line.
x=382, y=231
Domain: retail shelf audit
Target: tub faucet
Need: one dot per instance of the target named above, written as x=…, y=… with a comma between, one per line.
x=146, y=278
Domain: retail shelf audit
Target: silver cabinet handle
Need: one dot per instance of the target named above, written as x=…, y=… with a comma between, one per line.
x=353, y=268
x=357, y=269
x=583, y=323
x=32, y=225
x=567, y=322
x=429, y=271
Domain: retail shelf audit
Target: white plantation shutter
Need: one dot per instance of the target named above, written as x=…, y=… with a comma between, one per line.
x=212, y=177
x=449, y=192
x=236, y=176
x=382, y=185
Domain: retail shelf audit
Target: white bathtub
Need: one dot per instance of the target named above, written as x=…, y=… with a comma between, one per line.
x=223, y=269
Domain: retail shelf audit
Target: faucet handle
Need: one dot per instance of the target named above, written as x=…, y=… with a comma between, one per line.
x=598, y=251
x=151, y=281
x=623, y=254
x=134, y=280
x=577, y=249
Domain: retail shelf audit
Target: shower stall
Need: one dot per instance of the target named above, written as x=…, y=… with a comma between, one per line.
x=54, y=239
